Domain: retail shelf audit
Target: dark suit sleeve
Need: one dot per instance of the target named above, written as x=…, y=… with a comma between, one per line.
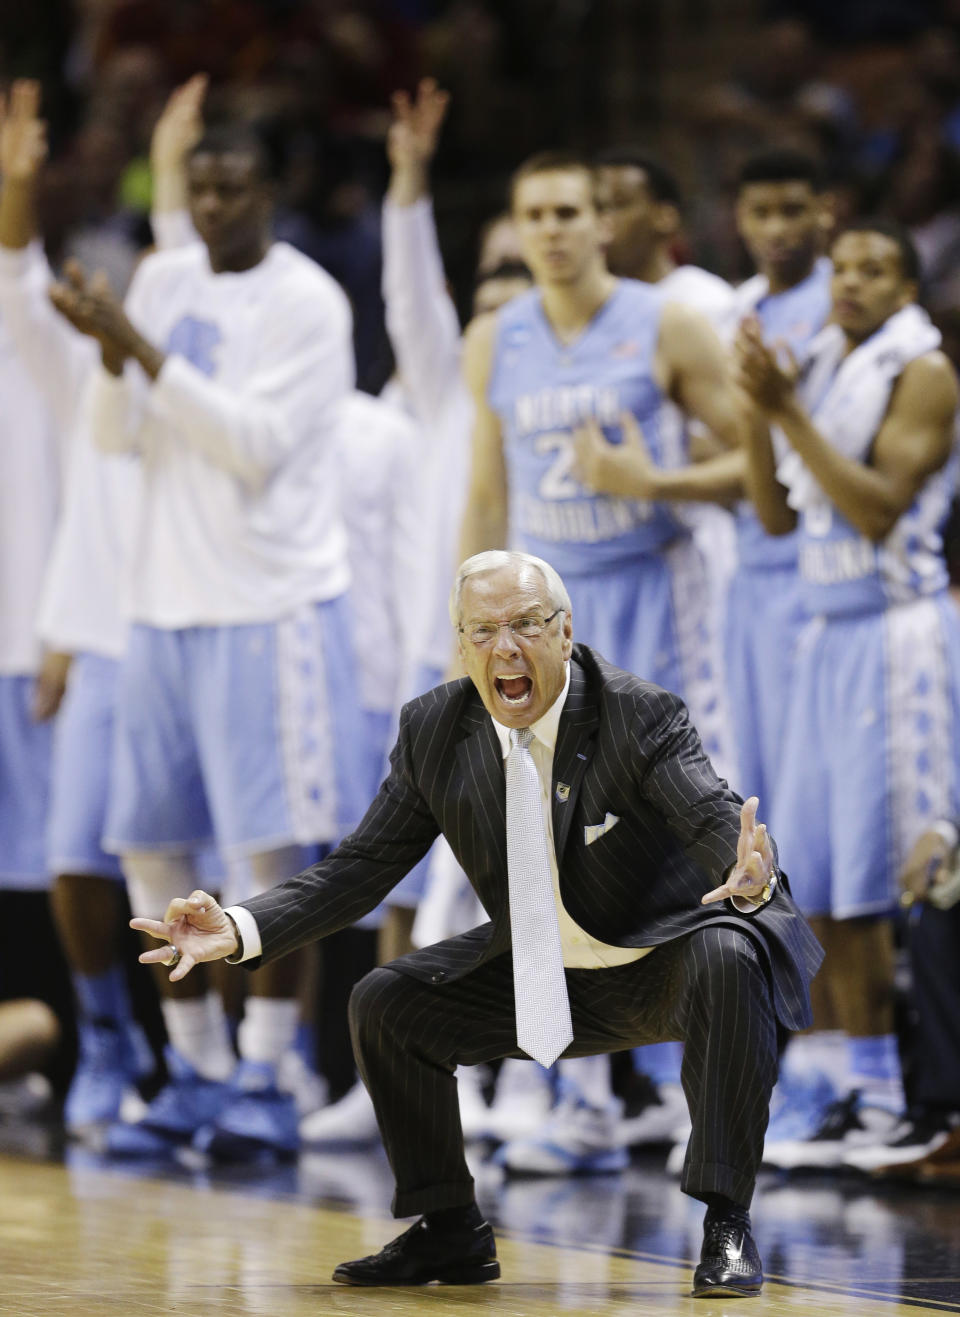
x=396, y=832
x=677, y=779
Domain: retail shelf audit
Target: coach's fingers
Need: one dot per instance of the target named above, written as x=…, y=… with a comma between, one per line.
x=152, y=926
x=182, y=968
x=157, y=955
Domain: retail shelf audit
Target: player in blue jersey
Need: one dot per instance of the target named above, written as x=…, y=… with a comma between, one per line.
x=783, y=219
x=586, y=348
x=872, y=741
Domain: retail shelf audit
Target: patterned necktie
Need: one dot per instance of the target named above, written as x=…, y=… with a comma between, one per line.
x=544, y=1027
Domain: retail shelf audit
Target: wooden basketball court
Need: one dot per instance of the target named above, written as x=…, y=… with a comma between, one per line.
x=86, y=1240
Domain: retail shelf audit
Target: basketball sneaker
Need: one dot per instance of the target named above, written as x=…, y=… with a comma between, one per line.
x=658, y=1113
x=911, y=1139
x=848, y=1123
x=105, y=1070
x=185, y=1103
x=349, y=1123
x=522, y=1101
x=256, y=1119
x=577, y=1139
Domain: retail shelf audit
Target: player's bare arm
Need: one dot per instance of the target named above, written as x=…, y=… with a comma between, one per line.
x=912, y=443
x=485, y=517
x=695, y=371
x=692, y=369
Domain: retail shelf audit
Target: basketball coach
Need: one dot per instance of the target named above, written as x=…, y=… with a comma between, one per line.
x=632, y=898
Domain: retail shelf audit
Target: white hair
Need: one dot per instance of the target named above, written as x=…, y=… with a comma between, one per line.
x=492, y=560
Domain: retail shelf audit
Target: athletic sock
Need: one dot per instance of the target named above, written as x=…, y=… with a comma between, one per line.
x=103, y=997
x=197, y=1030
x=268, y=1029
x=591, y=1076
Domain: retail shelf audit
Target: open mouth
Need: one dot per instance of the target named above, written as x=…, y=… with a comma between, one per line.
x=514, y=691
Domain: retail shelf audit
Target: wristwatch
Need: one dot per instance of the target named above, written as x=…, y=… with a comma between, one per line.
x=768, y=889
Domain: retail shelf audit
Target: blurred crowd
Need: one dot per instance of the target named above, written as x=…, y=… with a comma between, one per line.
x=858, y=104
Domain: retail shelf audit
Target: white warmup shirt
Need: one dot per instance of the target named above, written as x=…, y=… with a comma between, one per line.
x=379, y=453
x=713, y=526
x=30, y=473
x=707, y=293
x=425, y=335
x=240, y=516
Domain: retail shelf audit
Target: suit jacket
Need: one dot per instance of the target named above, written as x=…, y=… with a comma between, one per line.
x=624, y=747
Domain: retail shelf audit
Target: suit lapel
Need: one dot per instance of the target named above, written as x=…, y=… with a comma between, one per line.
x=576, y=737
x=481, y=763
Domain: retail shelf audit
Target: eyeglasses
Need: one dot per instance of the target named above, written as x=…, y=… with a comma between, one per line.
x=526, y=627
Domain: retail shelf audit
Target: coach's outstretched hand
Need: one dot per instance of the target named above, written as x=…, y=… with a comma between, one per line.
x=755, y=859
x=196, y=929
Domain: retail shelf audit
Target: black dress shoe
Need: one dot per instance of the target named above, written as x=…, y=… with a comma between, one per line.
x=729, y=1261
x=421, y=1254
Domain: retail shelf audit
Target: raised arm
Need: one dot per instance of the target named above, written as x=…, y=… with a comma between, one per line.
x=485, y=517
x=421, y=318
x=57, y=358
x=176, y=132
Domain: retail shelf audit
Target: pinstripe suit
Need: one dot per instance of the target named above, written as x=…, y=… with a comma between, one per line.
x=624, y=747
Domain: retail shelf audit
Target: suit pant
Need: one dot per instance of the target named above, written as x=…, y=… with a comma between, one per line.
x=708, y=989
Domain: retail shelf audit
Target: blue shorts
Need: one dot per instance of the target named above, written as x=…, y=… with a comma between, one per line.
x=250, y=736
x=871, y=753
x=762, y=625
x=25, y=749
x=655, y=617
x=82, y=753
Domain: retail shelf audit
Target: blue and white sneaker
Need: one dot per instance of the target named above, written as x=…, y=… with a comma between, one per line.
x=847, y=1123
x=102, y=1076
x=257, y=1118
x=576, y=1139
x=184, y=1104
x=798, y=1105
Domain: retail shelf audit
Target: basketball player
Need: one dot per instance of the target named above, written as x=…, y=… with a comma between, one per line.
x=424, y=331
x=872, y=741
x=81, y=611
x=586, y=348
x=643, y=204
x=237, y=717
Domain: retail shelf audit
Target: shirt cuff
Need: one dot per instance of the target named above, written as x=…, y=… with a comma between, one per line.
x=744, y=906
x=250, y=944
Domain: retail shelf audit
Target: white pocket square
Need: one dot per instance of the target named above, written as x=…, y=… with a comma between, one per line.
x=593, y=831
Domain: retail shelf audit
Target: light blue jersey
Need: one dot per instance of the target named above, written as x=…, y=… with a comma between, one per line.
x=639, y=585
x=872, y=742
x=542, y=390
x=793, y=317
x=764, y=595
